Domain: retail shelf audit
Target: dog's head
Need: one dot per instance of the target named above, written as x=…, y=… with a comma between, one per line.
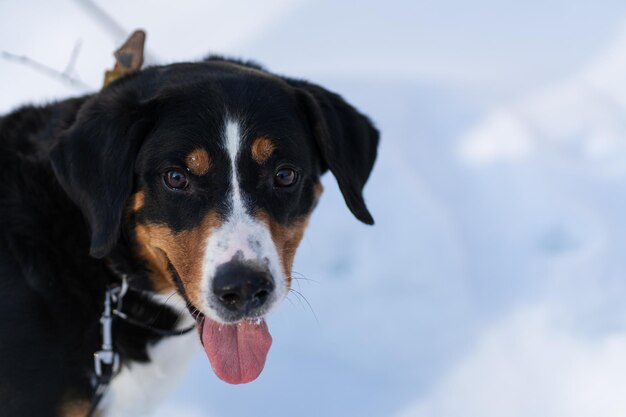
x=214, y=167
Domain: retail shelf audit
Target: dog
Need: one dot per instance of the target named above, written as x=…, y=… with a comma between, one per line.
x=173, y=199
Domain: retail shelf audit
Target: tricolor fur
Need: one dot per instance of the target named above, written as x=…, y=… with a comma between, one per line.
x=196, y=181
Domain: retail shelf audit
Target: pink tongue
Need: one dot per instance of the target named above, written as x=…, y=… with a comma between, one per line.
x=237, y=352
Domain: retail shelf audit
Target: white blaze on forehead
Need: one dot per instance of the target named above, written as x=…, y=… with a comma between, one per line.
x=232, y=138
x=241, y=234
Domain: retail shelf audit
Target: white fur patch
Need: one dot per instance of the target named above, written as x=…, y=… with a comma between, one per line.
x=240, y=233
x=139, y=388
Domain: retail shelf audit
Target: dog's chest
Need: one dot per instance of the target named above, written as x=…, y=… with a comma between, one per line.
x=140, y=387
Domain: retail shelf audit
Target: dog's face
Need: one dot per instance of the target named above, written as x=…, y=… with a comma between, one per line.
x=213, y=170
x=224, y=196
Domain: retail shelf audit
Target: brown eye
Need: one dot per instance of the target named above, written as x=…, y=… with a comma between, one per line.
x=176, y=179
x=285, y=177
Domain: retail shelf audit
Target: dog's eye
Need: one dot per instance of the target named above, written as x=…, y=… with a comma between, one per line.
x=176, y=179
x=285, y=177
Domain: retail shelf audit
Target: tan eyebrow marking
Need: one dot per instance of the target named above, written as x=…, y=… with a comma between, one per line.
x=262, y=149
x=198, y=161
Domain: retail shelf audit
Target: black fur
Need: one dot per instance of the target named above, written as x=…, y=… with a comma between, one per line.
x=347, y=141
x=52, y=289
x=67, y=171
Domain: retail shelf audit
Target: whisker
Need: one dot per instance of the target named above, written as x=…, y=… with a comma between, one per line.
x=302, y=297
x=302, y=277
x=177, y=308
x=298, y=278
x=297, y=281
x=163, y=306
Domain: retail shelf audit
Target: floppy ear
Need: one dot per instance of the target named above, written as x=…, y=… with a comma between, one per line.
x=94, y=163
x=347, y=141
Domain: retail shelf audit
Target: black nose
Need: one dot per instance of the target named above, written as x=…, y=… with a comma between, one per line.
x=242, y=288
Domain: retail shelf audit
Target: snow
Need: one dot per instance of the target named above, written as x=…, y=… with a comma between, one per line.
x=493, y=281
x=528, y=365
x=582, y=114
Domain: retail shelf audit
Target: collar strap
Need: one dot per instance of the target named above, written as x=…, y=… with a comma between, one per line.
x=115, y=294
x=161, y=332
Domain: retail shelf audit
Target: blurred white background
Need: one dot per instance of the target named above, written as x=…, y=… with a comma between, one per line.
x=494, y=279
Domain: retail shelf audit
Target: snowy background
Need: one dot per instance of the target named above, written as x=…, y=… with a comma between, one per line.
x=493, y=283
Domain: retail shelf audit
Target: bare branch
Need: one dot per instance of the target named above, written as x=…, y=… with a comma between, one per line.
x=44, y=69
x=110, y=25
x=69, y=68
x=107, y=22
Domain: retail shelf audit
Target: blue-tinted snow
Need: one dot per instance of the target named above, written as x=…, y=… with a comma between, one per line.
x=494, y=279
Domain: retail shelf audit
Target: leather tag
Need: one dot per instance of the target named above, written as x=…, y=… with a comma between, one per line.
x=128, y=58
